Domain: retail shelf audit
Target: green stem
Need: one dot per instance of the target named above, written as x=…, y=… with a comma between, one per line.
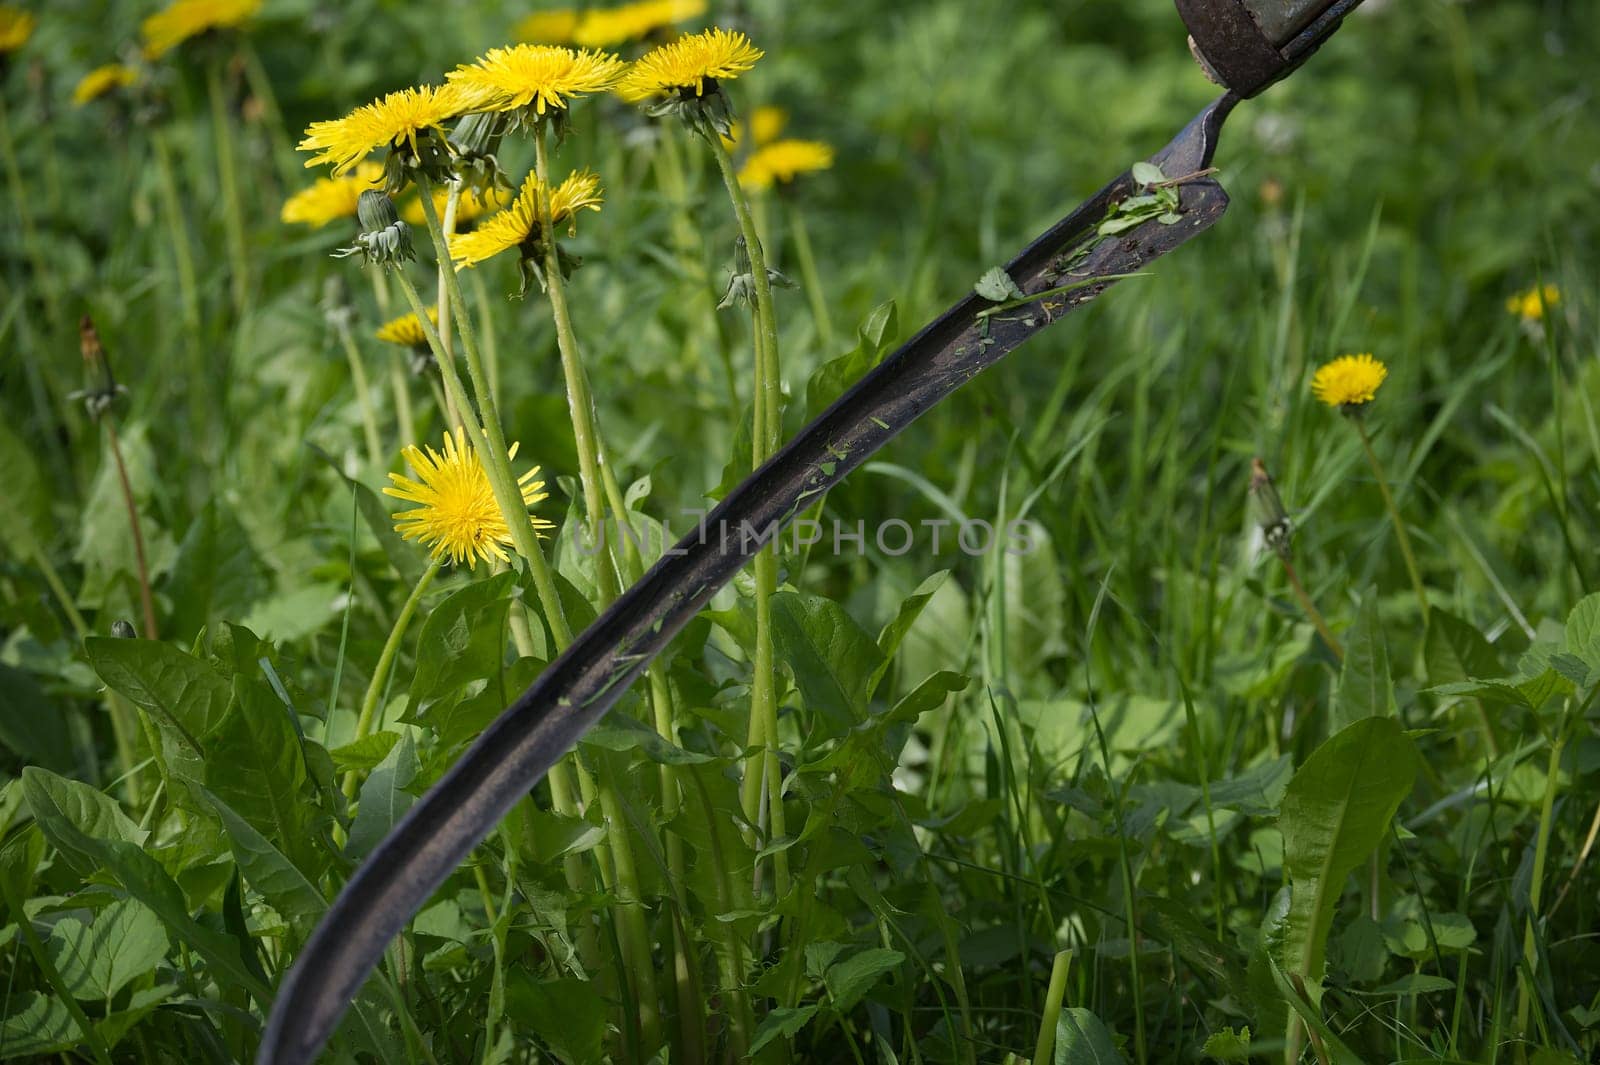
x=380, y=673
x=146, y=598
x=228, y=177
x=405, y=419
x=811, y=280
x=363, y=387
x=580, y=401
x=183, y=259
x=1541, y=851
x=441, y=299
x=768, y=430
x=30, y=234
x=1053, y=997
x=490, y=443
x=1401, y=535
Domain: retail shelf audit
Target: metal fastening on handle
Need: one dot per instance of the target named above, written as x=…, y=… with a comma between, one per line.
x=1247, y=45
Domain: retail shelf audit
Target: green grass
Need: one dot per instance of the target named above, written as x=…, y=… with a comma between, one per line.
x=1083, y=748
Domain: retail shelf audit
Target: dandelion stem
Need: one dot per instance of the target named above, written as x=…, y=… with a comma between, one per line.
x=188, y=288
x=1541, y=852
x=380, y=673
x=762, y=768
x=1312, y=612
x=441, y=300
x=1053, y=997
x=580, y=401
x=1401, y=535
x=363, y=388
x=810, y=279
x=146, y=599
x=228, y=176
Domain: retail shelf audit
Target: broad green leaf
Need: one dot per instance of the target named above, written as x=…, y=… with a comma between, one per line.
x=181, y=690
x=894, y=632
x=617, y=732
x=140, y=1005
x=39, y=1025
x=1582, y=637
x=77, y=831
x=89, y=811
x=1147, y=173
x=216, y=573
x=1338, y=1052
x=1081, y=1039
x=997, y=286
x=285, y=887
x=568, y=1015
x=831, y=657
x=1228, y=1045
x=1361, y=949
x=463, y=640
x=1456, y=651
x=784, y=1022
x=256, y=768
x=1416, y=984
x=384, y=799
x=364, y=753
x=1335, y=813
x=852, y=978
x=30, y=725
x=1365, y=689
x=873, y=339
x=96, y=961
x=25, y=519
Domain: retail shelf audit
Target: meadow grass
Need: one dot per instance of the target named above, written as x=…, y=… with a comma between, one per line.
x=1058, y=821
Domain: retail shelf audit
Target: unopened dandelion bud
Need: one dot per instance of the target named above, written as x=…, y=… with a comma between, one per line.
x=124, y=630
x=1277, y=528
x=384, y=239
x=100, y=389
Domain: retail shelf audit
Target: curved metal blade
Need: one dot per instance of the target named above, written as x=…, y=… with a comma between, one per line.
x=579, y=686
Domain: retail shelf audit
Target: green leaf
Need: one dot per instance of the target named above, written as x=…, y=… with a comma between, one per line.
x=256, y=768
x=784, y=1022
x=90, y=812
x=852, y=978
x=29, y=725
x=463, y=640
x=568, y=1015
x=285, y=887
x=831, y=657
x=216, y=574
x=1228, y=1045
x=1416, y=984
x=183, y=692
x=1582, y=637
x=364, y=753
x=405, y=558
x=1147, y=173
x=96, y=961
x=25, y=519
x=384, y=799
x=876, y=334
x=77, y=831
x=911, y=608
x=41, y=1026
x=1335, y=813
x=1456, y=651
x=1082, y=1039
x=1365, y=689
x=996, y=286
x=617, y=732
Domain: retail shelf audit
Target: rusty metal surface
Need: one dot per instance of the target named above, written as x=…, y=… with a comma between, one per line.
x=438, y=833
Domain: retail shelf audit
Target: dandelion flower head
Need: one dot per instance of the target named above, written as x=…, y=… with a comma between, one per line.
x=518, y=224
x=16, y=26
x=102, y=80
x=606, y=27
x=183, y=19
x=1349, y=382
x=543, y=77
x=686, y=66
x=781, y=161
x=456, y=515
x=548, y=27
x=407, y=330
x=332, y=198
x=1531, y=304
x=395, y=120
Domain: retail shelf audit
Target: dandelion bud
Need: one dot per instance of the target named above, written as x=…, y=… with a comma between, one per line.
x=124, y=630
x=384, y=239
x=1277, y=528
x=100, y=389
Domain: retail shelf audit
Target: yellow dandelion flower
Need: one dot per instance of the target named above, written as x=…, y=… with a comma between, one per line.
x=390, y=122
x=1349, y=381
x=688, y=63
x=548, y=27
x=780, y=161
x=518, y=224
x=1532, y=304
x=608, y=27
x=406, y=330
x=472, y=206
x=541, y=76
x=456, y=514
x=102, y=80
x=183, y=19
x=16, y=26
x=330, y=199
